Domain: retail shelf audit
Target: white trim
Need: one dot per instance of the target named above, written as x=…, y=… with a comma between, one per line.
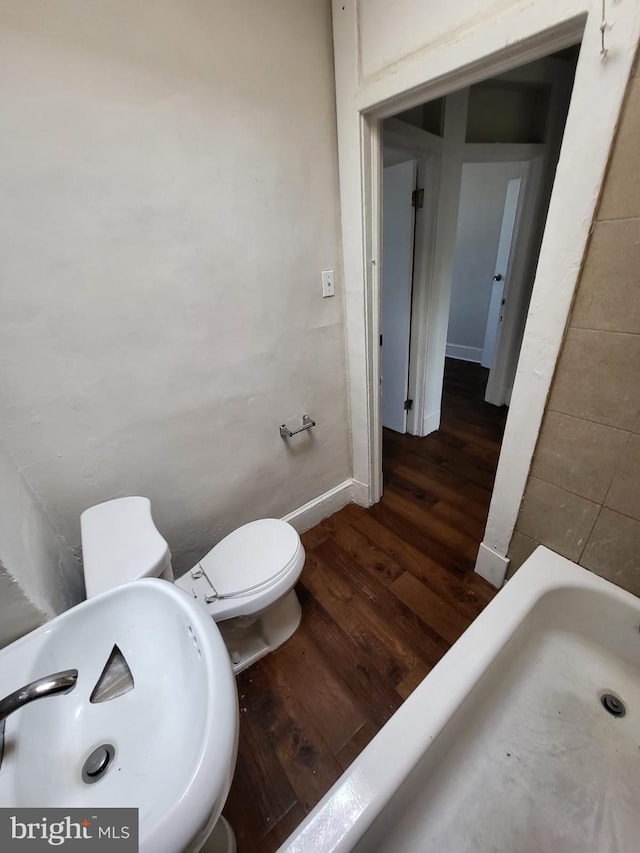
x=491, y=46
x=491, y=566
x=359, y=493
x=486, y=46
x=314, y=511
x=464, y=353
x=430, y=422
x=372, y=157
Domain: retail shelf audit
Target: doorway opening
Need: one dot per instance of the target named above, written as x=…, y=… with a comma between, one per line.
x=466, y=184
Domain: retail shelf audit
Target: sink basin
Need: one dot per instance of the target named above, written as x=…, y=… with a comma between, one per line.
x=171, y=727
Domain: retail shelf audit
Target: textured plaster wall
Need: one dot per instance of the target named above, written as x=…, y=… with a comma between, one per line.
x=39, y=576
x=169, y=198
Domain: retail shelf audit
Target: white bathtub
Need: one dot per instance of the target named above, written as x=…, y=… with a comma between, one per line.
x=506, y=746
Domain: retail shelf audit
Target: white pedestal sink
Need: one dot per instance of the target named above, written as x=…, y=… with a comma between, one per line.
x=173, y=733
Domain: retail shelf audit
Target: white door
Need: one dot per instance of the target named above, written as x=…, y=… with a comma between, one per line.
x=496, y=303
x=397, y=273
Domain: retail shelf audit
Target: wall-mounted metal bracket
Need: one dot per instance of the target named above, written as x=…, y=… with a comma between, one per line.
x=307, y=423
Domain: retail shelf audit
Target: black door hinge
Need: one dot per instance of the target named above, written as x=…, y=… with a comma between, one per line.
x=417, y=198
x=380, y=340
x=408, y=405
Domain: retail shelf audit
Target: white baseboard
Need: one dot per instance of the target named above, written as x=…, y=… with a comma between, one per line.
x=464, y=353
x=491, y=566
x=430, y=423
x=360, y=493
x=319, y=508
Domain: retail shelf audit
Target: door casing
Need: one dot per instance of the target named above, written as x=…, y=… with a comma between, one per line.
x=571, y=210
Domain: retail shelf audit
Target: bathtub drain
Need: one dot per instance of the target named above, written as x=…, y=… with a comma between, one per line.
x=613, y=704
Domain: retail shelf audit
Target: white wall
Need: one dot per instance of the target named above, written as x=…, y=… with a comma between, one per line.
x=39, y=576
x=482, y=197
x=170, y=196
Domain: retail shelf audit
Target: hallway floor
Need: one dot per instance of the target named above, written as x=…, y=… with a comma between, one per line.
x=385, y=591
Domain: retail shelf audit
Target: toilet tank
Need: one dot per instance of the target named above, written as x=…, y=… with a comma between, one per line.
x=120, y=543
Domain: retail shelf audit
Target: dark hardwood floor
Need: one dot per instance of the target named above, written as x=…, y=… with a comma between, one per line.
x=384, y=592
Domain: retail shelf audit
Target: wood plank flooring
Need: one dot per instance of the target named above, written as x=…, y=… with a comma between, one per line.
x=384, y=592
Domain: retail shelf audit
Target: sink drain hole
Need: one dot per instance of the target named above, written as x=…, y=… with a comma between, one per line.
x=613, y=704
x=97, y=764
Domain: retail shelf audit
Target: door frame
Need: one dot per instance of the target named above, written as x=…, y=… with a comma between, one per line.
x=362, y=104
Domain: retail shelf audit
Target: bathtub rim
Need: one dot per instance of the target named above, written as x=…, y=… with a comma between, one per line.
x=351, y=805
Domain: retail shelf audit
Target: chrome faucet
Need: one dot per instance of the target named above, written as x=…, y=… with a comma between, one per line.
x=59, y=682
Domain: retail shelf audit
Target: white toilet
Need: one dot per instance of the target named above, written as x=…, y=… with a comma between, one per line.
x=245, y=582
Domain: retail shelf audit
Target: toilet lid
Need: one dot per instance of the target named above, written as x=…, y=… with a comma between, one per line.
x=253, y=556
x=120, y=543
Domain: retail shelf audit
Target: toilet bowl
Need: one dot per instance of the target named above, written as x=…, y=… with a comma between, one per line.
x=245, y=582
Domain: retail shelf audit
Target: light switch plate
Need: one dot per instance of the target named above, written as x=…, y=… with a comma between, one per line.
x=328, y=286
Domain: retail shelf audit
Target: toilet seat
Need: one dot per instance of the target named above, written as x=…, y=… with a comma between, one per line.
x=251, y=557
x=248, y=570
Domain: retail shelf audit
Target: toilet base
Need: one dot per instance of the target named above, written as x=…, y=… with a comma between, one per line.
x=248, y=640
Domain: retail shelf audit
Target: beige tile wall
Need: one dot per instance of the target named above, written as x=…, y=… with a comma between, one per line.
x=583, y=495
